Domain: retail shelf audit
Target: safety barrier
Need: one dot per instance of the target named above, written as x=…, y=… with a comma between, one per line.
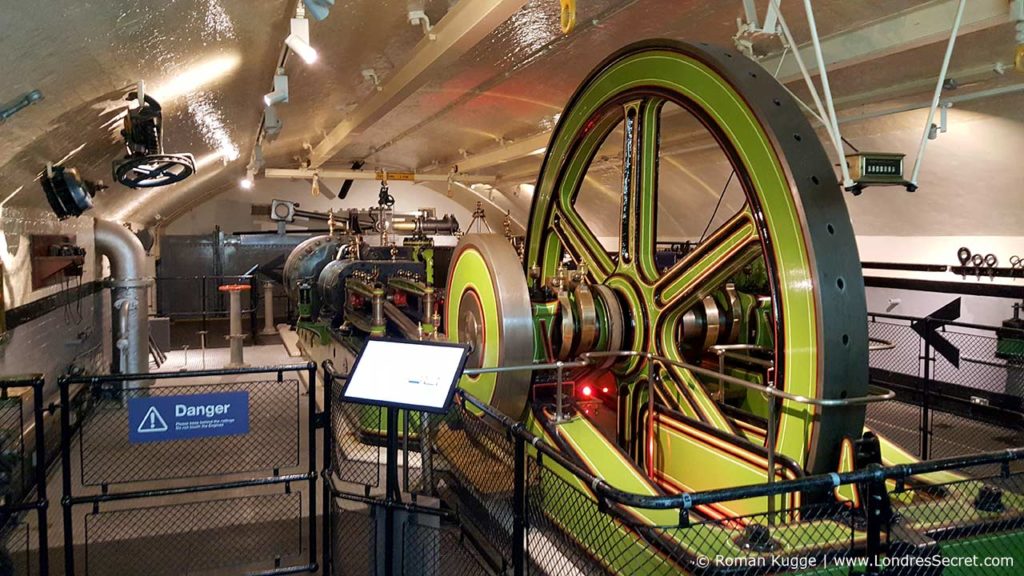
x=488, y=496
x=484, y=493
x=960, y=391
x=24, y=542
x=190, y=472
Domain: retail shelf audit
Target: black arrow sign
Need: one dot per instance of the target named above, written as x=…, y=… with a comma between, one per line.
x=928, y=327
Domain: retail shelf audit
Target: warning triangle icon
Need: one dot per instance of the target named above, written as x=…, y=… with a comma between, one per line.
x=152, y=422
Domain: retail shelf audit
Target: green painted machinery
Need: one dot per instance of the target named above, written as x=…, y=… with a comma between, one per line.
x=772, y=296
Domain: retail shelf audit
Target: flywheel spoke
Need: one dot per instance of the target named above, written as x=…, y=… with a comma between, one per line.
x=723, y=254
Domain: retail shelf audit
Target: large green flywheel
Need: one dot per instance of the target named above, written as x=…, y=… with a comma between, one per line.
x=794, y=221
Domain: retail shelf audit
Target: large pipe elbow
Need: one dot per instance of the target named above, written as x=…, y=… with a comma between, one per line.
x=129, y=294
x=122, y=248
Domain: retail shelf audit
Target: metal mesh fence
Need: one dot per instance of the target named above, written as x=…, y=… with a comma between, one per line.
x=23, y=499
x=15, y=468
x=187, y=538
x=973, y=521
x=473, y=465
x=568, y=526
x=16, y=554
x=243, y=501
x=904, y=357
x=943, y=409
x=356, y=455
x=272, y=442
x=354, y=533
x=425, y=542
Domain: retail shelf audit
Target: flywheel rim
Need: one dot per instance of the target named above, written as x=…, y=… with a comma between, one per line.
x=801, y=225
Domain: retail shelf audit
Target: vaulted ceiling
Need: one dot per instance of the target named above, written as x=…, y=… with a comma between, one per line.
x=486, y=102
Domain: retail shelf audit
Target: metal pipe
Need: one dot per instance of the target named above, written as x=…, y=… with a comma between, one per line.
x=558, y=394
x=128, y=284
x=770, y=437
x=268, y=309
x=823, y=74
x=650, y=421
x=938, y=92
x=810, y=84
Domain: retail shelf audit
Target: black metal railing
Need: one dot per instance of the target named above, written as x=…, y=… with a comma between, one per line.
x=24, y=547
x=504, y=500
x=960, y=391
x=144, y=512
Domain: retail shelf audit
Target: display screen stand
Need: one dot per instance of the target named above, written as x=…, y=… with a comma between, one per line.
x=403, y=375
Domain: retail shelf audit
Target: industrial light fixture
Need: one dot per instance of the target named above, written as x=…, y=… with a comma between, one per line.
x=271, y=123
x=298, y=40
x=318, y=9
x=246, y=183
x=280, y=93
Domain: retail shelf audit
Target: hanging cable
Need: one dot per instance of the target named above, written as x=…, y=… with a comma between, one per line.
x=719, y=204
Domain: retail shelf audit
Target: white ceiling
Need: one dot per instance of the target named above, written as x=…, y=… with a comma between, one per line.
x=85, y=55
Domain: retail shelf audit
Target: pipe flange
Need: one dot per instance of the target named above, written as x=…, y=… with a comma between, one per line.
x=130, y=283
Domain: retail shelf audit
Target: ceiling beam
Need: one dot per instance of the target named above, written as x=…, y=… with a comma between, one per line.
x=305, y=174
x=517, y=149
x=900, y=32
x=465, y=25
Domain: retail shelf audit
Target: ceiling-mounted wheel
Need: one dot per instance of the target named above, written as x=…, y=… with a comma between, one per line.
x=793, y=219
x=488, y=307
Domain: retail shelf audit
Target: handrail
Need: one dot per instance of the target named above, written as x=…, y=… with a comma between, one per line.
x=769, y=390
x=587, y=360
x=688, y=501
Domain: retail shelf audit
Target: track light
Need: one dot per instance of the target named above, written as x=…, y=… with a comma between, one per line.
x=271, y=123
x=247, y=182
x=280, y=93
x=318, y=9
x=298, y=40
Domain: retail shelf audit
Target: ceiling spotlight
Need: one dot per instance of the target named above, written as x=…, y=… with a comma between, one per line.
x=318, y=9
x=280, y=92
x=298, y=40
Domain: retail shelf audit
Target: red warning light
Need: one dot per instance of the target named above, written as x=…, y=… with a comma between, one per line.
x=604, y=390
x=587, y=391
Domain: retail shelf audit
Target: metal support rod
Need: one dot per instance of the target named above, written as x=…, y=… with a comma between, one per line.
x=938, y=91
x=876, y=492
x=519, y=510
x=236, y=336
x=558, y=393
x=649, y=456
x=254, y=298
x=65, y=462
x=328, y=432
x=770, y=437
x=391, y=495
x=823, y=74
x=405, y=449
x=836, y=143
x=203, y=290
x=926, y=393
x=40, y=476
x=313, y=475
x=721, y=370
